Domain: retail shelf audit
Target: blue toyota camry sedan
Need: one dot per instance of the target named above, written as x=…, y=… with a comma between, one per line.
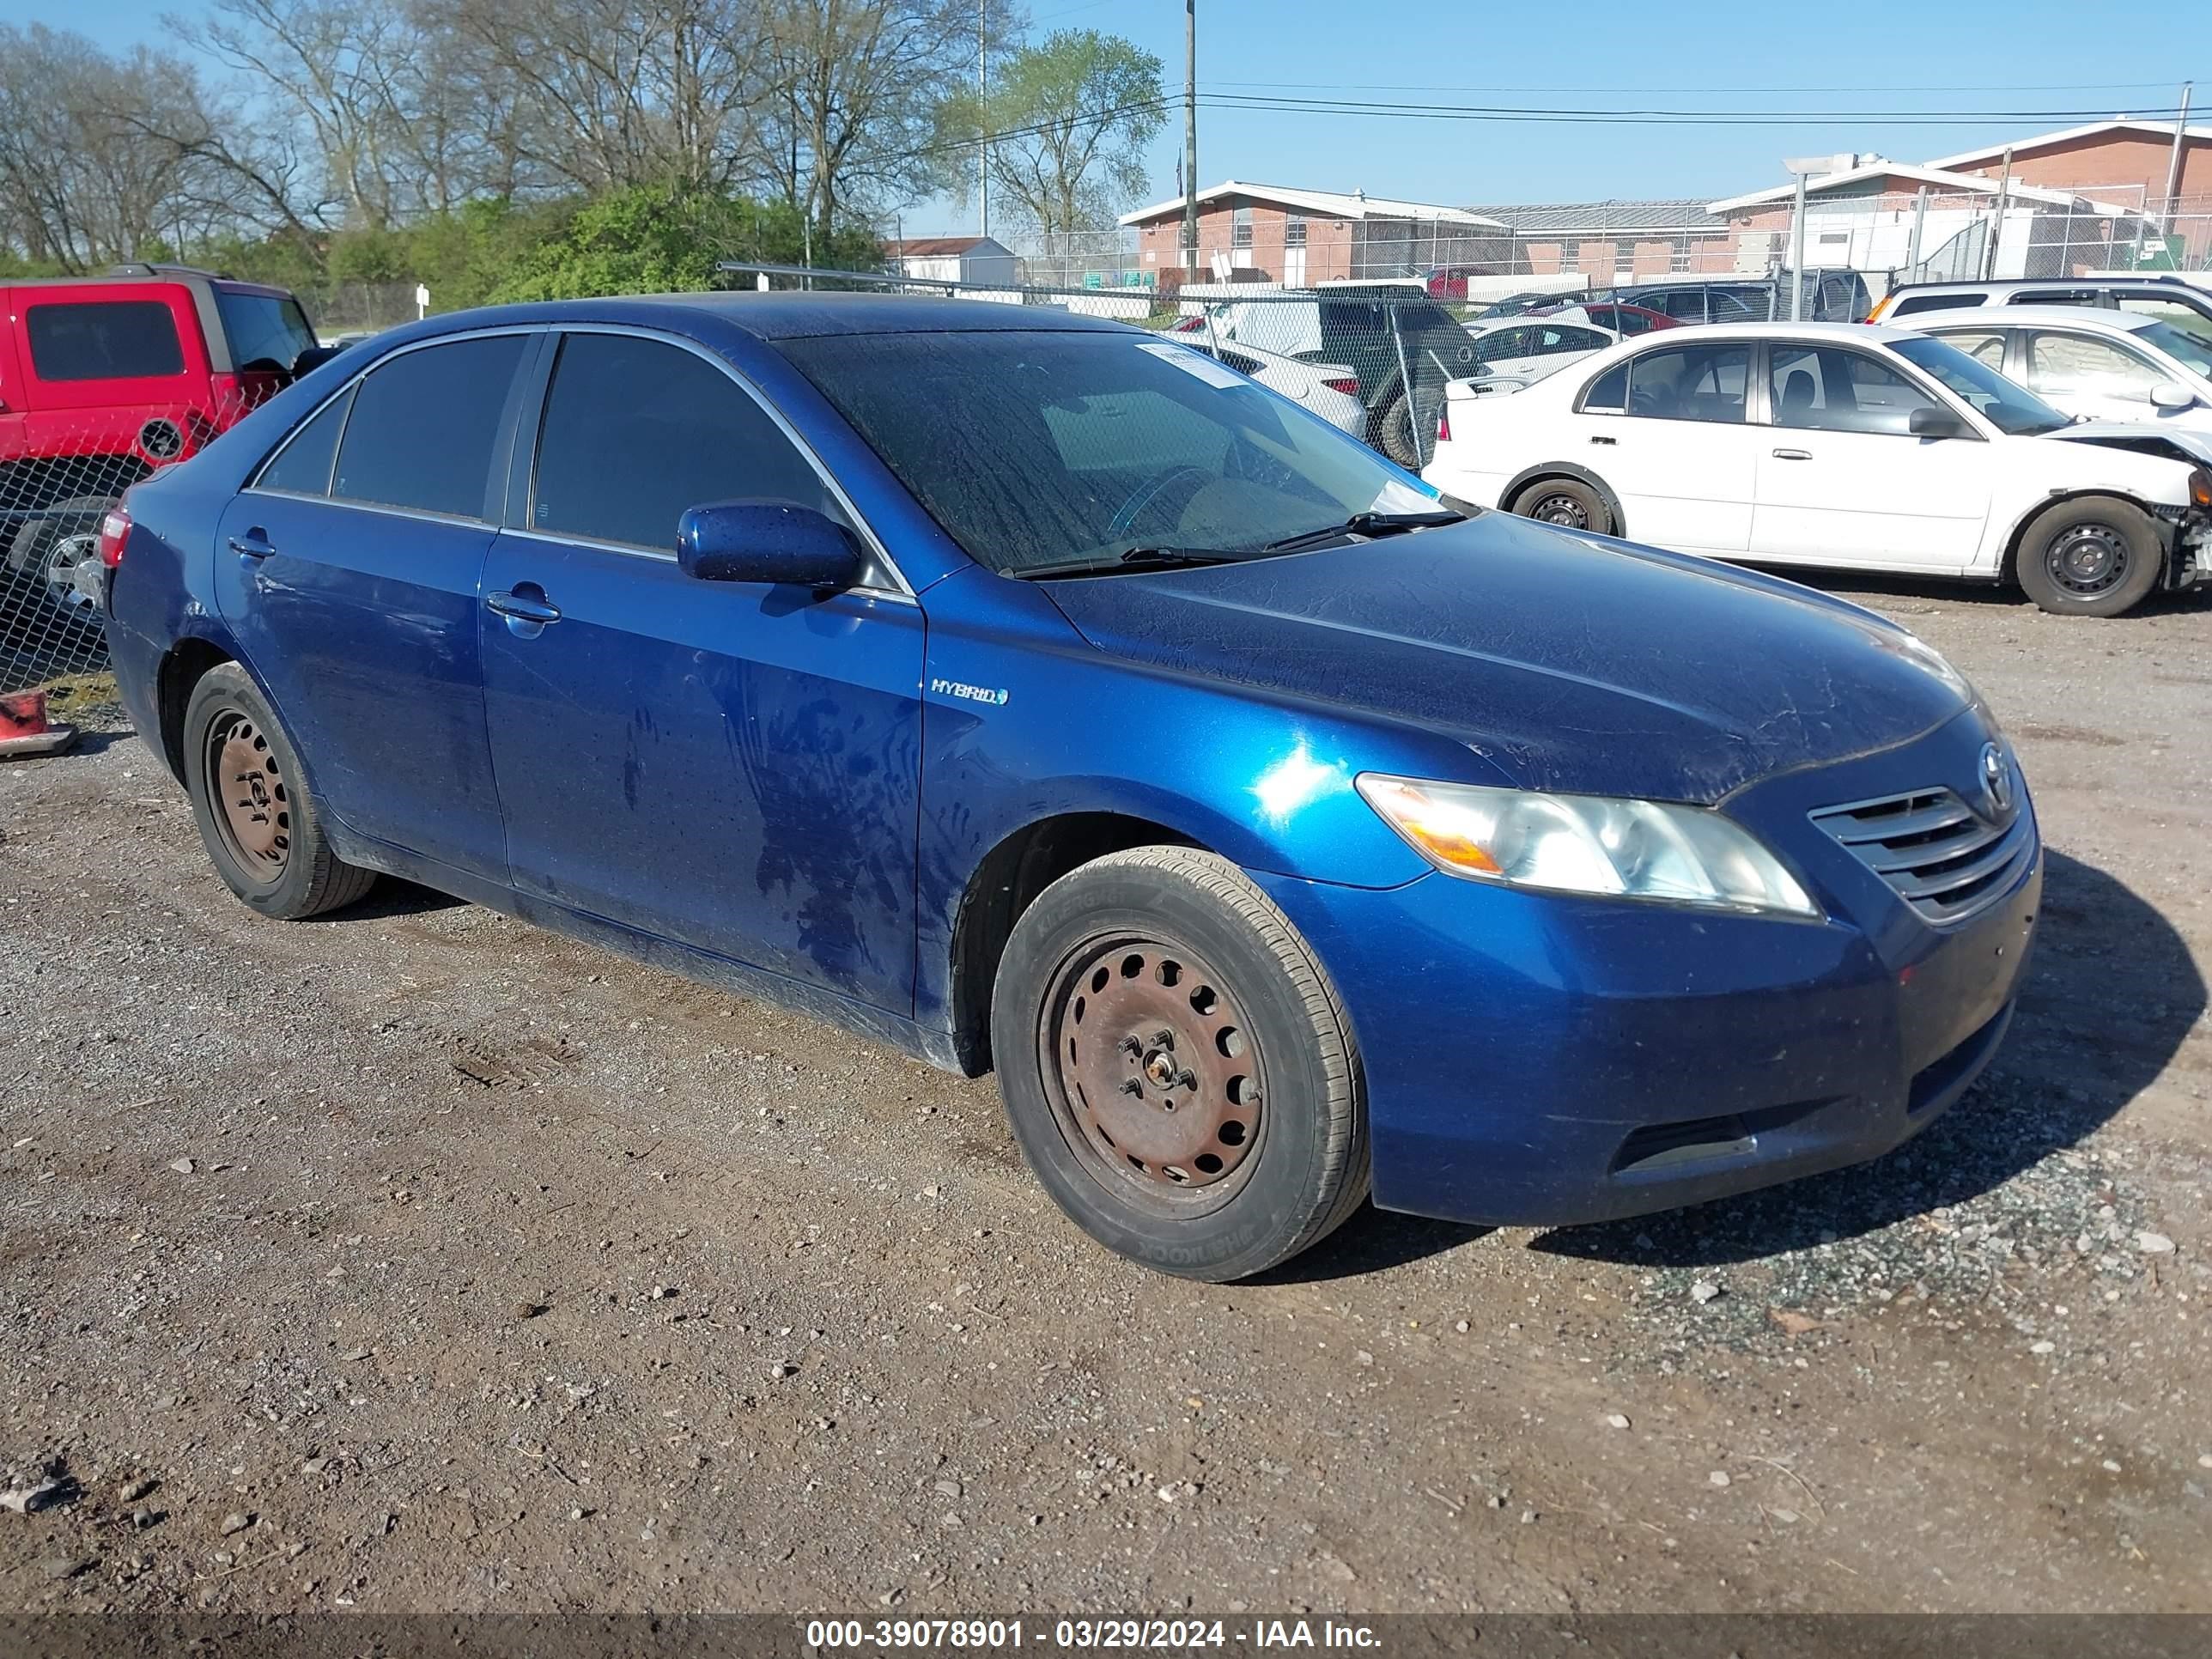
x=1037, y=694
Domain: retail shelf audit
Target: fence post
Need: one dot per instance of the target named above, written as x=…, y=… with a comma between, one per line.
x=1919, y=231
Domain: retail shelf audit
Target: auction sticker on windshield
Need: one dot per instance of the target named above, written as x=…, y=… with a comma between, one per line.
x=1196, y=362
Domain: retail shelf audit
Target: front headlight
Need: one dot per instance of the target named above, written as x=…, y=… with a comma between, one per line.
x=1641, y=849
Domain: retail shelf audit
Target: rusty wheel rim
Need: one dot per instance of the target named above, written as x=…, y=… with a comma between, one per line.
x=253, y=804
x=1152, y=1068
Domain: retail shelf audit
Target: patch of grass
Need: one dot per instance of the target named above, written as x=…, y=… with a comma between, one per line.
x=82, y=692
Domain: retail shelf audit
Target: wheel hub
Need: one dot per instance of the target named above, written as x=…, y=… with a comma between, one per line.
x=1562, y=510
x=62, y=558
x=2087, y=559
x=1152, y=1068
x=256, y=812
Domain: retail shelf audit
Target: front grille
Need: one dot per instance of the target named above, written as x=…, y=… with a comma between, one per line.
x=1943, y=858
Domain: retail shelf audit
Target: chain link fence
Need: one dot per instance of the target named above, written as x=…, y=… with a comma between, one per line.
x=62, y=472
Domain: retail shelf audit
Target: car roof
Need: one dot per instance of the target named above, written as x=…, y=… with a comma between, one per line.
x=792, y=314
x=2150, y=279
x=2092, y=318
x=1840, y=333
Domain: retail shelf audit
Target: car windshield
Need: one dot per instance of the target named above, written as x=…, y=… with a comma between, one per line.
x=2192, y=351
x=265, y=331
x=1067, y=450
x=2005, y=404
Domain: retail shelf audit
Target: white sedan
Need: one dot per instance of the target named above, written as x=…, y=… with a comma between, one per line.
x=1512, y=353
x=1328, y=390
x=2094, y=364
x=1836, y=445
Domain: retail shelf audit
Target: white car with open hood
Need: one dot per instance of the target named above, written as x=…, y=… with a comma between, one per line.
x=1833, y=445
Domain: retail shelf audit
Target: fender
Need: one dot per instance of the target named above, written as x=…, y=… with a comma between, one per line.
x=1530, y=475
x=2165, y=518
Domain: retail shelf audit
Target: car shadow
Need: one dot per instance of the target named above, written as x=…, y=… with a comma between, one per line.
x=1874, y=590
x=2111, y=996
x=394, y=896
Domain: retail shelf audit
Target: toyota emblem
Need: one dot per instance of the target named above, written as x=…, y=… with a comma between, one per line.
x=1996, y=780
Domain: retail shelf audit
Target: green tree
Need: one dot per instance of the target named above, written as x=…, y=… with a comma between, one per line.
x=1072, y=117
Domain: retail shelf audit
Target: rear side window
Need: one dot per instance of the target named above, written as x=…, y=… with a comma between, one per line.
x=1609, y=393
x=1690, y=383
x=302, y=467
x=423, y=426
x=104, y=340
x=637, y=431
x=1912, y=304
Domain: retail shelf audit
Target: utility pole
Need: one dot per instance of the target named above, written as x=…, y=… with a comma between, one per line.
x=1190, y=132
x=982, y=109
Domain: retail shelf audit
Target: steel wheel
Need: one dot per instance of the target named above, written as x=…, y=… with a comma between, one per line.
x=1153, y=1071
x=246, y=779
x=1556, y=507
x=2087, y=559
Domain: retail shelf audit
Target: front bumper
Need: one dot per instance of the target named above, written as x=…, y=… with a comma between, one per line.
x=1534, y=1059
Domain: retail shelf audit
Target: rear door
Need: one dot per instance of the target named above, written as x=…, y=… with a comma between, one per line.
x=1667, y=431
x=349, y=571
x=733, y=765
x=1842, y=479
x=2091, y=376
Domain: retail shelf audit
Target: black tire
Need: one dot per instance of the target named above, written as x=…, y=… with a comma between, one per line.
x=1393, y=433
x=1297, y=1162
x=2096, y=555
x=280, y=863
x=37, y=602
x=1567, y=502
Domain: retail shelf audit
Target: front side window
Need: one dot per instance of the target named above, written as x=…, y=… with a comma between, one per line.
x=2192, y=350
x=424, y=426
x=2009, y=407
x=638, y=431
x=1036, y=449
x=302, y=467
x=2063, y=365
x=104, y=340
x=1690, y=383
x=1827, y=390
x=265, y=331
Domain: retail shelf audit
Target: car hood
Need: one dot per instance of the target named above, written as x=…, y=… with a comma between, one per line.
x=1568, y=662
x=2189, y=444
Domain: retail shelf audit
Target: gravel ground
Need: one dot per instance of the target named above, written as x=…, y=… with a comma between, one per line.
x=418, y=1260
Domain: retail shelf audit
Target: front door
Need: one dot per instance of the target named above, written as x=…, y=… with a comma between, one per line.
x=348, y=571
x=1666, y=431
x=1843, y=480
x=2087, y=375
x=731, y=765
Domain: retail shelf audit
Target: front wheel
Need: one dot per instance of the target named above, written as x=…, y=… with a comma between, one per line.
x=1176, y=1067
x=2094, y=556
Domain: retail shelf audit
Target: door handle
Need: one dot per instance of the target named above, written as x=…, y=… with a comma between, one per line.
x=1601, y=440
x=253, y=544
x=523, y=607
x=1793, y=454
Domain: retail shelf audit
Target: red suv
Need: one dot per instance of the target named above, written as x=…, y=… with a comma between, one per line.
x=103, y=379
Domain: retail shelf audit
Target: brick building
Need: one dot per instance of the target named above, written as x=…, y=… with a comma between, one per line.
x=1270, y=233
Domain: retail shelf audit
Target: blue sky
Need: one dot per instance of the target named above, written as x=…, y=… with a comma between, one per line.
x=1944, y=60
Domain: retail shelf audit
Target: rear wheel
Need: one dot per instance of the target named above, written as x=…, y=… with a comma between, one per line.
x=1175, y=1065
x=2094, y=556
x=250, y=798
x=1566, y=502
x=41, y=611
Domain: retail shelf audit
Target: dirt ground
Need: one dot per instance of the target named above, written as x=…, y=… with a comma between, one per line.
x=418, y=1260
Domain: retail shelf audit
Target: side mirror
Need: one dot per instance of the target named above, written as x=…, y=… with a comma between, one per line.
x=1935, y=423
x=2168, y=396
x=763, y=541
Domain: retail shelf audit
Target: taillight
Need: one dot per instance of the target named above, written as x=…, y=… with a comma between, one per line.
x=1880, y=306
x=114, y=532
x=1347, y=384
x=1444, y=424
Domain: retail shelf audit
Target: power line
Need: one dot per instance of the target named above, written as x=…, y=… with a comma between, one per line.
x=1730, y=91
x=1580, y=117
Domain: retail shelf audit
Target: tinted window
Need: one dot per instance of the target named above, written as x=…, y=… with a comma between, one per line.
x=1913, y=303
x=303, y=466
x=1043, y=449
x=104, y=340
x=1609, y=393
x=2177, y=313
x=1688, y=304
x=1831, y=391
x=1503, y=345
x=1690, y=383
x=265, y=331
x=637, y=431
x=423, y=425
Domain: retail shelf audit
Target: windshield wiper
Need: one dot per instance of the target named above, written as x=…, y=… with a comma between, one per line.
x=1370, y=524
x=1136, y=559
